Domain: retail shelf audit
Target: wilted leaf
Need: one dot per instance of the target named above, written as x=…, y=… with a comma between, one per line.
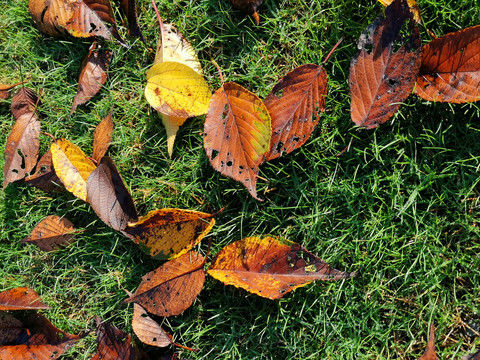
x=148, y=330
x=413, y=8
x=51, y=16
x=295, y=104
x=129, y=9
x=249, y=6
x=23, y=143
x=168, y=233
x=93, y=75
x=177, y=90
x=109, y=197
x=37, y=339
x=171, y=288
x=430, y=353
x=102, y=137
x=72, y=166
x=21, y=298
x=450, y=70
x=270, y=267
x=5, y=89
x=237, y=134
x=51, y=233
x=381, y=76
x=44, y=176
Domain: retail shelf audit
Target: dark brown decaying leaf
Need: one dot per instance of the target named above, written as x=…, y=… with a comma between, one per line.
x=295, y=104
x=148, y=330
x=51, y=233
x=21, y=298
x=44, y=176
x=102, y=137
x=381, y=77
x=93, y=75
x=171, y=288
x=23, y=143
x=129, y=9
x=109, y=197
x=249, y=6
x=450, y=69
x=430, y=353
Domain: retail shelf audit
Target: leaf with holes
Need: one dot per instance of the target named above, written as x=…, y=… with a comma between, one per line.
x=102, y=137
x=51, y=233
x=450, y=69
x=270, y=266
x=21, y=298
x=413, y=8
x=72, y=166
x=430, y=353
x=148, y=330
x=249, y=6
x=171, y=288
x=23, y=143
x=51, y=16
x=382, y=76
x=44, y=176
x=237, y=134
x=169, y=233
x=295, y=104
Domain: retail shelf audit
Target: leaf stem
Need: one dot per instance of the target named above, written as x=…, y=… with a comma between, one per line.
x=331, y=51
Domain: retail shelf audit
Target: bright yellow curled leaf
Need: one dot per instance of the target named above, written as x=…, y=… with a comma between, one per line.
x=413, y=8
x=175, y=89
x=72, y=166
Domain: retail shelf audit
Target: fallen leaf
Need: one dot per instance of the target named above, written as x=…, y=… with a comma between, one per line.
x=51, y=233
x=295, y=104
x=51, y=16
x=450, y=69
x=23, y=143
x=21, y=298
x=5, y=89
x=430, y=353
x=249, y=6
x=237, y=134
x=177, y=90
x=102, y=137
x=413, y=8
x=381, y=77
x=172, y=124
x=10, y=329
x=44, y=176
x=108, y=196
x=171, y=288
x=72, y=166
x=129, y=9
x=148, y=330
x=169, y=233
x=270, y=266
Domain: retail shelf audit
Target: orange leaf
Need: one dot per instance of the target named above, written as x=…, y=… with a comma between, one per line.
x=295, y=104
x=148, y=330
x=430, y=353
x=270, y=267
x=450, y=70
x=380, y=77
x=51, y=233
x=102, y=137
x=237, y=134
x=5, y=89
x=51, y=16
x=21, y=298
x=171, y=288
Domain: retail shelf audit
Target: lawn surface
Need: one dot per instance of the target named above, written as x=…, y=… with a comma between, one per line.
x=399, y=206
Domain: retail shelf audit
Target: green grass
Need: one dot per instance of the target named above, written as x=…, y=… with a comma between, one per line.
x=400, y=206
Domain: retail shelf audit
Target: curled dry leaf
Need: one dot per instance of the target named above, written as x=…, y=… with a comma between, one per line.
x=148, y=330
x=430, y=353
x=295, y=104
x=21, y=298
x=249, y=6
x=237, y=134
x=102, y=137
x=23, y=143
x=450, y=69
x=108, y=196
x=270, y=266
x=51, y=16
x=72, y=166
x=171, y=288
x=44, y=176
x=93, y=75
x=51, y=233
x=381, y=77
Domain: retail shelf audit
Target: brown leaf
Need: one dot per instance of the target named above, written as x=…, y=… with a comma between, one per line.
x=44, y=176
x=51, y=233
x=37, y=339
x=102, y=137
x=430, y=353
x=108, y=196
x=93, y=75
x=450, y=70
x=23, y=143
x=171, y=288
x=129, y=9
x=381, y=77
x=249, y=6
x=270, y=267
x=114, y=344
x=237, y=134
x=21, y=298
x=295, y=104
x=148, y=330
x=5, y=89
x=51, y=16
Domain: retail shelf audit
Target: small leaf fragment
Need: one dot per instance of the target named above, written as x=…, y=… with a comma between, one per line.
x=21, y=298
x=51, y=16
x=148, y=330
x=44, y=176
x=430, y=353
x=102, y=137
x=51, y=233
x=5, y=89
x=413, y=8
x=249, y=6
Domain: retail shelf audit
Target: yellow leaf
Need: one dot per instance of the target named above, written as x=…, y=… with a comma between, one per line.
x=72, y=166
x=413, y=8
x=175, y=89
x=172, y=124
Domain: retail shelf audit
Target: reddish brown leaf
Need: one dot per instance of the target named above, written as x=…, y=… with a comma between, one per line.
x=129, y=9
x=270, y=267
x=430, y=353
x=249, y=6
x=21, y=298
x=237, y=134
x=171, y=288
x=109, y=197
x=102, y=137
x=93, y=75
x=450, y=70
x=44, y=176
x=381, y=77
x=148, y=330
x=21, y=151
x=295, y=104
x=51, y=233
x=5, y=89
x=37, y=339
